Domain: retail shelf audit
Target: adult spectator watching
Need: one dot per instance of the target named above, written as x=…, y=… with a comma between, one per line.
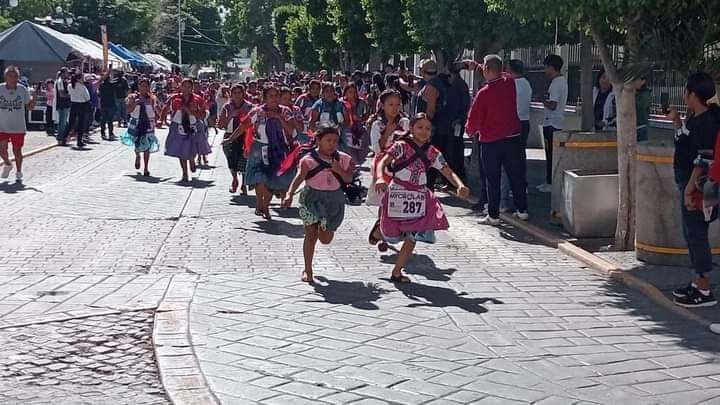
x=493, y=117
x=62, y=100
x=554, y=120
x=431, y=99
x=695, y=144
x=15, y=102
x=108, y=107
x=458, y=105
x=122, y=87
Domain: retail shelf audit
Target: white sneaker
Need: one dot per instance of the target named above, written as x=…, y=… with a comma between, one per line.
x=6, y=169
x=544, y=188
x=488, y=220
x=523, y=216
x=18, y=176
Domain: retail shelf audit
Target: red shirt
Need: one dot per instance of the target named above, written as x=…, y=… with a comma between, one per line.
x=493, y=114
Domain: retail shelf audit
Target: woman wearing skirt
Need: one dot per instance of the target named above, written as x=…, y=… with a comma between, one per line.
x=186, y=139
x=140, y=133
x=266, y=150
x=231, y=115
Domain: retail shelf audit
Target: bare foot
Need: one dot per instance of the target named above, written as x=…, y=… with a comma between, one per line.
x=307, y=277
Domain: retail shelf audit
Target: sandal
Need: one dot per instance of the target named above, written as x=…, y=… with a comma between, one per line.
x=306, y=279
x=371, y=238
x=401, y=279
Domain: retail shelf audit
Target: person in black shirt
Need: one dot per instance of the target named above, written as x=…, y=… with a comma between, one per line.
x=695, y=138
x=108, y=107
x=121, y=92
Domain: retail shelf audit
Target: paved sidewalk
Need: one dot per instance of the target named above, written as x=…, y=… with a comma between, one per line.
x=493, y=316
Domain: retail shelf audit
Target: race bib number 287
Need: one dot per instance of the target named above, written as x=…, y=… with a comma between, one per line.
x=406, y=204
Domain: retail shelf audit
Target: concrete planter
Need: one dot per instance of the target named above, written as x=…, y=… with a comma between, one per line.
x=658, y=235
x=591, y=203
x=577, y=150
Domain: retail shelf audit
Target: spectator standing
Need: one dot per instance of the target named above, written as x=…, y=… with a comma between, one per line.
x=458, y=105
x=695, y=144
x=523, y=94
x=493, y=117
x=79, y=111
x=108, y=107
x=121, y=92
x=431, y=99
x=554, y=114
x=61, y=114
x=604, y=104
x=49, y=88
x=15, y=102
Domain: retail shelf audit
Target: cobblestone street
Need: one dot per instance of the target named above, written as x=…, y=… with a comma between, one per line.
x=119, y=289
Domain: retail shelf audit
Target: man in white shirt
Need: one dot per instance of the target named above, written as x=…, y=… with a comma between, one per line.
x=15, y=102
x=523, y=93
x=554, y=102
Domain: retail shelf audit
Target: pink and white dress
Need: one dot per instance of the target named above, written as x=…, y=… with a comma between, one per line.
x=409, y=210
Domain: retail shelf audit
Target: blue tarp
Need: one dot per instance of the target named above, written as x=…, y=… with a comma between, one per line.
x=133, y=58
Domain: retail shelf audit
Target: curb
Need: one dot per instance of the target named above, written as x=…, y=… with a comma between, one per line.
x=35, y=151
x=179, y=369
x=610, y=269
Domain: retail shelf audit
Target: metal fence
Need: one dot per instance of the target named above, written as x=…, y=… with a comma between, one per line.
x=660, y=81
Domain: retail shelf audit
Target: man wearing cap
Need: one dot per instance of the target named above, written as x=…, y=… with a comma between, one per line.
x=15, y=102
x=62, y=100
x=431, y=101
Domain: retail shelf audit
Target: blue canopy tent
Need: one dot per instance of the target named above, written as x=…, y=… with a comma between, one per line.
x=135, y=60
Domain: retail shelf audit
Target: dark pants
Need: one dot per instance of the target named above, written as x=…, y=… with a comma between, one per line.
x=504, y=182
x=439, y=139
x=495, y=157
x=49, y=124
x=107, y=116
x=548, y=133
x=455, y=154
x=79, y=115
x=695, y=231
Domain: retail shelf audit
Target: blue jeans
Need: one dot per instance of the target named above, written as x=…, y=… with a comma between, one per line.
x=695, y=231
x=121, y=109
x=63, y=118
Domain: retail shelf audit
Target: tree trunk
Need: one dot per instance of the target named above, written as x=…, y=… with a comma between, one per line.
x=586, y=82
x=627, y=144
x=441, y=59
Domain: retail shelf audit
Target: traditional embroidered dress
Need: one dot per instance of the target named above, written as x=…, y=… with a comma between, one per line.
x=376, y=130
x=187, y=135
x=234, y=151
x=140, y=133
x=409, y=209
x=269, y=149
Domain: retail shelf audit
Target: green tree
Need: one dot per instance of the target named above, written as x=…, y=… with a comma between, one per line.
x=670, y=33
x=302, y=51
x=321, y=33
x=388, y=28
x=249, y=25
x=281, y=16
x=351, y=32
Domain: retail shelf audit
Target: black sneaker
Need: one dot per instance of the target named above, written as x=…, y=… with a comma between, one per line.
x=683, y=291
x=696, y=299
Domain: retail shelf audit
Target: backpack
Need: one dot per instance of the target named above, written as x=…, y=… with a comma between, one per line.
x=420, y=153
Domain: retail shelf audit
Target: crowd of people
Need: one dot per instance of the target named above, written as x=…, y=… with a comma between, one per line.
x=290, y=129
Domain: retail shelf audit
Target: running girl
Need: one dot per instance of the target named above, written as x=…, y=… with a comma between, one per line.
x=357, y=111
x=231, y=117
x=322, y=201
x=384, y=124
x=140, y=132
x=185, y=138
x=328, y=111
x=266, y=151
x=411, y=212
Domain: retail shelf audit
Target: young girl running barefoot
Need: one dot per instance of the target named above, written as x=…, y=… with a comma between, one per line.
x=231, y=115
x=411, y=212
x=140, y=133
x=322, y=201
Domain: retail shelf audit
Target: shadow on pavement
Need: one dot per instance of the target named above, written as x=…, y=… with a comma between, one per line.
x=421, y=265
x=196, y=183
x=148, y=179
x=292, y=212
x=357, y=294
x=13, y=188
x=279, y=228
x=441, y=297
x=514, y=234
x=687, y=333
x=244, y=200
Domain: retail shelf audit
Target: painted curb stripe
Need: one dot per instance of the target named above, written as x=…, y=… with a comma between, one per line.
x=655, y=159
x=587, y=144
x=667, y=250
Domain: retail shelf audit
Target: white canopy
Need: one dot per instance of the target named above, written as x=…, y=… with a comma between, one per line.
x=87, y=48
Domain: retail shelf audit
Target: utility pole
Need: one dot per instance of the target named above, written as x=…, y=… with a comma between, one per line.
x=180, y=32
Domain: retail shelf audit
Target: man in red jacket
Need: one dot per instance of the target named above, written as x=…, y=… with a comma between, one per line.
x=493, y=117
